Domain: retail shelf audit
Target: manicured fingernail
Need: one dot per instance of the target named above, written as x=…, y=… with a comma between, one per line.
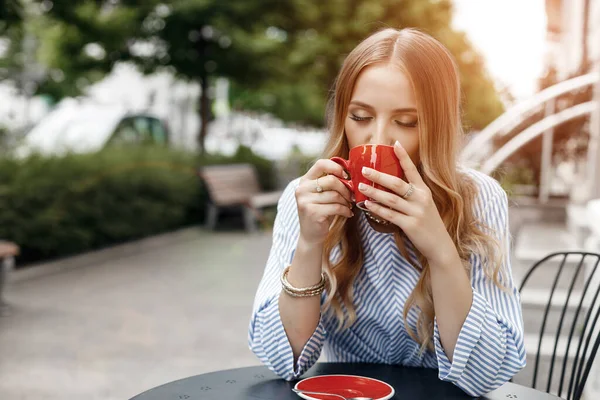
x=366, y=171
x=397, y=144
x=346, y=175
x=362, y=187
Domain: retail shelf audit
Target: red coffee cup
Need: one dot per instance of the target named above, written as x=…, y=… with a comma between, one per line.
x=379, y=157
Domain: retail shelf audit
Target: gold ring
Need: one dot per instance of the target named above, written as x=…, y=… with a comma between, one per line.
x=409, y=191
x=319, y=188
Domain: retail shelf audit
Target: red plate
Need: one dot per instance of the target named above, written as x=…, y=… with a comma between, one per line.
x=345, y=385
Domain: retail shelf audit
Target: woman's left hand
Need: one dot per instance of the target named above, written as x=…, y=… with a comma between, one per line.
x=413, y=211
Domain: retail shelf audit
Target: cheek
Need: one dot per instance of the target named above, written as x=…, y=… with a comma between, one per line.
x=411, y=145
x=352, y=135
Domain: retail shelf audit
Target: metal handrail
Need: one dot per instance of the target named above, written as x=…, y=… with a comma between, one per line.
x=516, y=114
x=533, y=131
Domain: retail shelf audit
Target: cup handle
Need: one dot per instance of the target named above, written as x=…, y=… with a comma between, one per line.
x=346, y=165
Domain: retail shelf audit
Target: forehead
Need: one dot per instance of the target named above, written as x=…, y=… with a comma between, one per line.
x=384, y=86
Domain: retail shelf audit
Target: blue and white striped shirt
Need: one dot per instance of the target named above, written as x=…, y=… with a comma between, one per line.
x=489, y=350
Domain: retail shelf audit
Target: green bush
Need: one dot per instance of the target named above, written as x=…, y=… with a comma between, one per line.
x=514, y=177
x=57, y=206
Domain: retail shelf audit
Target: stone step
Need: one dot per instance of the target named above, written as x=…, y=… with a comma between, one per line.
x=534, y=302
x=534, y=242
x=525, y=377
x=547, y=348
x=524, y=212
x=543, y=277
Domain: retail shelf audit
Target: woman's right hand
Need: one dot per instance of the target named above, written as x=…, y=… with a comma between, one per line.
x=316, y=210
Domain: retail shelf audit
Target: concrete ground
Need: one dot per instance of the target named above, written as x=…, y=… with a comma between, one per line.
x=115, y=323
x=111, y=324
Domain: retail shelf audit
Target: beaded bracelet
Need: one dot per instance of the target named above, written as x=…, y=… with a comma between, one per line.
x=310, y=291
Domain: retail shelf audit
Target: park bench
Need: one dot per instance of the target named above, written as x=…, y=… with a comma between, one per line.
x=8, y=252
x=235, y=186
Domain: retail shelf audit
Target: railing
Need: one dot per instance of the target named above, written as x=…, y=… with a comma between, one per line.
x=473, y=155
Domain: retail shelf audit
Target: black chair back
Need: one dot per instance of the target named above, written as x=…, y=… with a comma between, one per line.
x=576, y=274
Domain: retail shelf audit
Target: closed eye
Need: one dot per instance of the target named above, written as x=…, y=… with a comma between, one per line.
x=412, y=124
x=357, y=118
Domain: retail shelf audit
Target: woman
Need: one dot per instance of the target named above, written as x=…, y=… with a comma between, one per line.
x=420, y=279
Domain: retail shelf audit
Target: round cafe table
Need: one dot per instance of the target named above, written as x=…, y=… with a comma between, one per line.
x=258, y=383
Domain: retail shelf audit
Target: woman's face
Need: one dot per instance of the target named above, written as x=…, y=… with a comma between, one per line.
x=383, y=109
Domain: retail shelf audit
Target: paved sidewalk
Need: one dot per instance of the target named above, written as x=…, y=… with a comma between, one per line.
x=115, y=328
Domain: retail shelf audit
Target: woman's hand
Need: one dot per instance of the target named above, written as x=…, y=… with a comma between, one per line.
x=321, y=196
x=410, y=207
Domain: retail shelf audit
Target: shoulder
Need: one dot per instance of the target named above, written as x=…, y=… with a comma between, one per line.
x=491, y=201
x=488, y=188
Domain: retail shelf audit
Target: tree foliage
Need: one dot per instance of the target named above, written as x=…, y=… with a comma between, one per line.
x=11, y=14
x=280, y=56
x=323, y=33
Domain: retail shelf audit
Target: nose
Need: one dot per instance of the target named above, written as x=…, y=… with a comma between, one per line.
x=381, y=134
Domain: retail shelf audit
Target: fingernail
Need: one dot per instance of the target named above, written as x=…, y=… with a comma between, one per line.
x=346, y=175
x=366, y=171
x=397, y=144
x=362, y=186
x=367, y=203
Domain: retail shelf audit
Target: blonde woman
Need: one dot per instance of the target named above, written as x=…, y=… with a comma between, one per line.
x=422, y=277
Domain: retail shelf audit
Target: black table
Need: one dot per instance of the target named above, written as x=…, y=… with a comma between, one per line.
x=258, y=383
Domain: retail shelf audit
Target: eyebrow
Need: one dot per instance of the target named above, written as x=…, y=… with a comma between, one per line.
x=397, y=110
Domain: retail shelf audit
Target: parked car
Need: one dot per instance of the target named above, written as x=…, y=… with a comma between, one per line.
x=77, y=128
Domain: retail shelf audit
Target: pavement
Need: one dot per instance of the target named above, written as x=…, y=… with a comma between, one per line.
x=111, y=324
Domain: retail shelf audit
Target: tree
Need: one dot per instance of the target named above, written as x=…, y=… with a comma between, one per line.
x=10, y=14
x=198, y=39
x=11, y=33
x=83, y=40
x=322, y=33
x=281, y=56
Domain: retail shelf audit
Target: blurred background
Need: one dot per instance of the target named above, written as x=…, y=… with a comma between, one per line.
x=143, y=147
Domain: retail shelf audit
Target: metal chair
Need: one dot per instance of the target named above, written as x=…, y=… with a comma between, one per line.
x=586, y=339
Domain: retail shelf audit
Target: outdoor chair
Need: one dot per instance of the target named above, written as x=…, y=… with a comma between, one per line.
x=569, y=328
x=235, y=186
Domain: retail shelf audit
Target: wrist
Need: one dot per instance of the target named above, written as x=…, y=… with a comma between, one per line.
x=306, y=266
x=308, y=246
x=446, y=257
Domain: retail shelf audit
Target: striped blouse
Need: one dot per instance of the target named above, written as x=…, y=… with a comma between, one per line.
x=489, y=349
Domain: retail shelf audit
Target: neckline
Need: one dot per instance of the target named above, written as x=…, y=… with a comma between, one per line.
x=364, y=220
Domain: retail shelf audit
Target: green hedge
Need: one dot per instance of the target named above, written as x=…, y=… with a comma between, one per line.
x=59, y=206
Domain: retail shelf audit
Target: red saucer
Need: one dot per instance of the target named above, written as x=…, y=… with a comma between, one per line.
x=345, y=385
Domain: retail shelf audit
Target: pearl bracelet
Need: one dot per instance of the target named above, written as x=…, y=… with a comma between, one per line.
x=309, y=291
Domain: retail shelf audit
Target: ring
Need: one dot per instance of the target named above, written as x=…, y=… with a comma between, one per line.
x=409, y=191
x=319, y=187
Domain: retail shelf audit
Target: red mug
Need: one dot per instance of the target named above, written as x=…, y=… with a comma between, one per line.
x=379, y=157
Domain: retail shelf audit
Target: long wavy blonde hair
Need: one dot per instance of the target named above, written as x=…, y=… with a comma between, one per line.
x=433, y=74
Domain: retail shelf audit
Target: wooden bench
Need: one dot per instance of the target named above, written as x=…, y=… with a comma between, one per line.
x=8, y=252
x=235, y=185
